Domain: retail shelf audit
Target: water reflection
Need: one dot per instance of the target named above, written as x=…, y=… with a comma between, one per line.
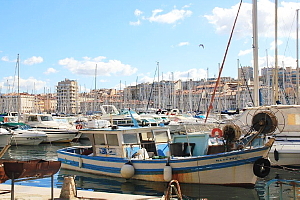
x=86, y=181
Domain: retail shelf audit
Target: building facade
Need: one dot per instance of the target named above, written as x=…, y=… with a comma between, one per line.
x=67, y=97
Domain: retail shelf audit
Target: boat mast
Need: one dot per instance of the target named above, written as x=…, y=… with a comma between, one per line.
x=95, y=97
x=223, y=62
x=255, y=54
x=238, y=87
x=297, y=61
x=158, y=85
x=18, y=96
x=275, y=81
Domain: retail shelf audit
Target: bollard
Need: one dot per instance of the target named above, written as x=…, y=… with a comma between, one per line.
x=68, y=190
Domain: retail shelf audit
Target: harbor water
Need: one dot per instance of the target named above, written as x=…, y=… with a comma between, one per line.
x=91, y=182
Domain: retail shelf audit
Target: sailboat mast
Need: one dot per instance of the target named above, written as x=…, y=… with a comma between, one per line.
x=95, y=97
x=275, y=99
x=18, y=96
x=158, y=85
x=255, y=54
x=238, y=87
x=297, y=61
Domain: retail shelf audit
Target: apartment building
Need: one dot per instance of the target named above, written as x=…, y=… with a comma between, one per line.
x=67, y=97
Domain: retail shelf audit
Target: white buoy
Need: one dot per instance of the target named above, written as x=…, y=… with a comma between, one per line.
x=127, y=170
x=167, y=173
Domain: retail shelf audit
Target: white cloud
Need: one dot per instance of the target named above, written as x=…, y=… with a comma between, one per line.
x=50, y=71
x=170, y=17
x=33, y=60
x=87, y=66
x=158, y=16
x=194, y=74
x=287, y=61
x=183, y=44
x=137, y=23
x=26, y=85
x=245, y=52
x=223, y=18
x=279, y=42
x=5, y=58
x=137, y=12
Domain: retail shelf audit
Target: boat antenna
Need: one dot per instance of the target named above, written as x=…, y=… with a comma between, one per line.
x=220, y=71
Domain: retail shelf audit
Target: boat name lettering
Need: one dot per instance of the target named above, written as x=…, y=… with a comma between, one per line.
x=227, y=159
x=107, y=151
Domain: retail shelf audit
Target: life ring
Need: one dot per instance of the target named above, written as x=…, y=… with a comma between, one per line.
x=216, y=130
x=261, y=167
x=79, y=126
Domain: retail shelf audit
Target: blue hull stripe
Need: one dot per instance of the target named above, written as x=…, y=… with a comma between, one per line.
x=116, y=170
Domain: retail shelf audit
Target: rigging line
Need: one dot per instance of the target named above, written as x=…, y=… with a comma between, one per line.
x=151, y=90
x=286, y=46
x=247, y=85
x=220, y=71
x=200, y=95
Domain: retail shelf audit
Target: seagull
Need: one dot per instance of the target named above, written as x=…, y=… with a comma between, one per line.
x=201, y=45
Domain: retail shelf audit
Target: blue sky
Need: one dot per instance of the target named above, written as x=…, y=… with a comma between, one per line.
x=125, y=39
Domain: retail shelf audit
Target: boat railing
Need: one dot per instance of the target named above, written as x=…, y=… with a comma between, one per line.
x=284, y=185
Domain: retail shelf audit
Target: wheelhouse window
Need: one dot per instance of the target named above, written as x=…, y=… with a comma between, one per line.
x=46, y=118
x=130, y=138
x=32, y=118
x=161, y=136
x=112, y=139
x=147, y=136
x=99, y=139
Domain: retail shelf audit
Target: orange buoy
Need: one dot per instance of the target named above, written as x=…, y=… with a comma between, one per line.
x=216, y=131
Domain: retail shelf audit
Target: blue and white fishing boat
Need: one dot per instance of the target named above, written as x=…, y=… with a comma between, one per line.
x=150, y=154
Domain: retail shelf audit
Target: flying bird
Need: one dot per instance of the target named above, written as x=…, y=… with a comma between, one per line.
x=201, y=45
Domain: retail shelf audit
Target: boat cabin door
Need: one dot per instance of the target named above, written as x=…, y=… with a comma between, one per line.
x=147, y=142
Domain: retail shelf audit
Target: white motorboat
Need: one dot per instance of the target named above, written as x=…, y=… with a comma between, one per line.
x=23, y=134
x=5, y=137
x=56, y=131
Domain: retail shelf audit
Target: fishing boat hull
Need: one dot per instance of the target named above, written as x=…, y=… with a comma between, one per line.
x=231, y=168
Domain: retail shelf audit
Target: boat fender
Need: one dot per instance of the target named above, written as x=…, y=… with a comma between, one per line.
x=168, y=173
x=127, y=170
x=261, y=167
x=218, y=131
x=276, y=155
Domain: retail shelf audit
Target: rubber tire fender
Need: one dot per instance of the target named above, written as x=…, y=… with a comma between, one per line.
x=261, y=167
